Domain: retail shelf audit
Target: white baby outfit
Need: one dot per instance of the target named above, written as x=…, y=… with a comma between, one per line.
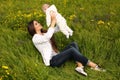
x=61, y=22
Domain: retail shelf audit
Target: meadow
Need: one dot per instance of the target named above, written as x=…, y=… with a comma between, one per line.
x=96, y=26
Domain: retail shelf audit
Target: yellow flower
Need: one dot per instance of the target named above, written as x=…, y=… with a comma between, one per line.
x=35, y=13
x=40, y=15
x=7, y=72
x=0, y=78
x=65, y=1
x=100, y=22
x=29, y=15
x=92, y=20
x=108, y=24
x=19, y=12
x=81, y=8
x=72, y=17
x=5, y=67
x=36, y=65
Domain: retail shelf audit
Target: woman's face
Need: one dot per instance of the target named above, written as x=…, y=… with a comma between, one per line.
x=37, y=26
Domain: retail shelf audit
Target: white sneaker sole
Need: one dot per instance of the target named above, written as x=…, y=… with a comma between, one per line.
x=82, y=73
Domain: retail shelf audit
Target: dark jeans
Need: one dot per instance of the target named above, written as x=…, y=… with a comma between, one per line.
x=70, y=51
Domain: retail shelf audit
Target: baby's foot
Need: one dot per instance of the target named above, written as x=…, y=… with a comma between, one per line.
x=71, y=33
x=67, y=36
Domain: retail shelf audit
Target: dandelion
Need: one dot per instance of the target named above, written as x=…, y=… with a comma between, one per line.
x=0, y=78
x=19, y=12
x=36, y=65
x=5, y=67
x=81, y=9
x=18, y=15
x=7, y=72
x=40, y=15
x=65, y=1
x=35, y=13
x=108, y=24
x=100, y=22
x=29, y=15
x=92, y=20
x=72, y=17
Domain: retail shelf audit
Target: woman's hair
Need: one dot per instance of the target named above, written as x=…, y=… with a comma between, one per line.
x=32, y=31
x=31, y=28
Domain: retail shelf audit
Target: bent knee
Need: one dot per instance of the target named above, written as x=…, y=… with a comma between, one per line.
x=74, y=43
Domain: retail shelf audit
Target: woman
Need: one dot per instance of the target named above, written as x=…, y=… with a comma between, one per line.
x=45, y=45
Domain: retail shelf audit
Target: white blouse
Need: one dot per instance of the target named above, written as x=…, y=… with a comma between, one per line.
x=42, y=43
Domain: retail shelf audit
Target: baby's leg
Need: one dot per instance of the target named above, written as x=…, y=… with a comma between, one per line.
x=69, y=30
x=63, y=29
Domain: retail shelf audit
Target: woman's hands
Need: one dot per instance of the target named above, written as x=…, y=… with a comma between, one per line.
x=53, y=19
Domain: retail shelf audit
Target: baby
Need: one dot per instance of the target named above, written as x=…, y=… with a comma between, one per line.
x=61, y=22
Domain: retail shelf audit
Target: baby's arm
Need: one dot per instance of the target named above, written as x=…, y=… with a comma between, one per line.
x=52, y=8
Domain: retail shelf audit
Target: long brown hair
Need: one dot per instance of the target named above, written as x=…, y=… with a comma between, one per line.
x=32, y=31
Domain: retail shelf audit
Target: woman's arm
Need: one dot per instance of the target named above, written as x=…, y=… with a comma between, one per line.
x=53, y=19
x=51, y=29
x=47, y=36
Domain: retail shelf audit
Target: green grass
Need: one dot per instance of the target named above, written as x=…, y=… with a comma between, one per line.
x=99, y=41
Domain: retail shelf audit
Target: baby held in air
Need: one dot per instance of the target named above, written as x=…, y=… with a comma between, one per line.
x=61, y=22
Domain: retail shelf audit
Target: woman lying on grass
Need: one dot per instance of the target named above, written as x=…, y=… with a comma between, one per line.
x=43, y=41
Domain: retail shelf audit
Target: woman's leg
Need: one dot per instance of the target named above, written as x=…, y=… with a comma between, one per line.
x=91, y=64
x=79, y=64
x=72, y=52
x=73, y=44
x=94, y=66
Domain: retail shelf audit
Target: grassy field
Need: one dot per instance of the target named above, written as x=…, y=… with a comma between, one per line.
x=96, y=25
